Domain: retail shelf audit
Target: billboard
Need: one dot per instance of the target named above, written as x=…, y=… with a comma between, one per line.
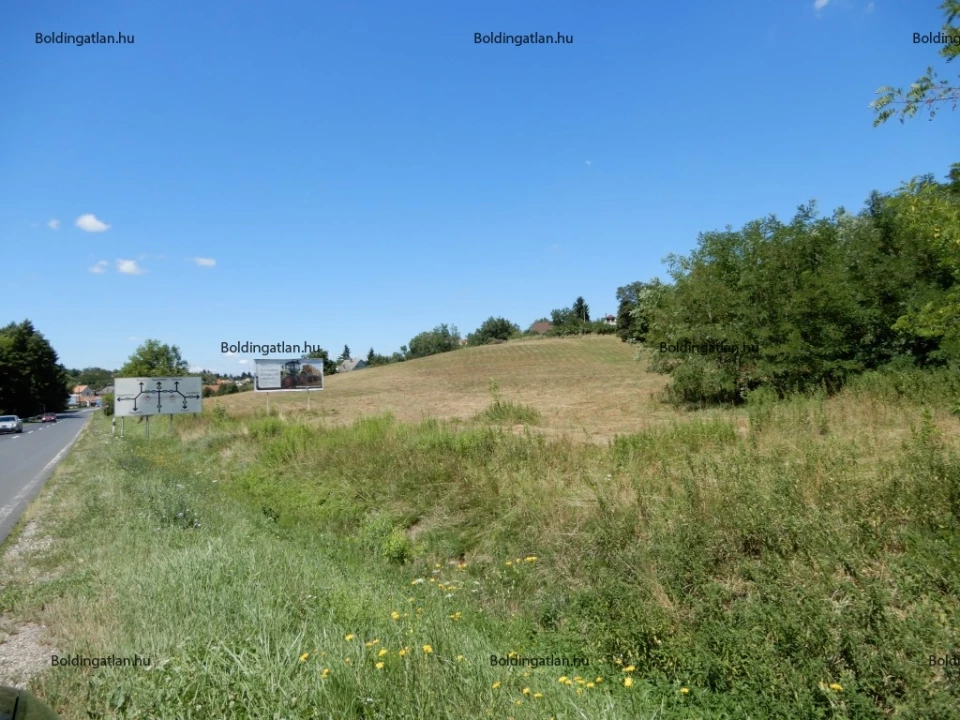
x=277, y=375
x=139, y=397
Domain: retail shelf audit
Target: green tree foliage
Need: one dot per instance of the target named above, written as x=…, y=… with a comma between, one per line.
x=637, y=302
x=812, y=302
x=31, y=376
x=345, y=355
x=95, y=377
x=927, y=91
x=441, y=339
x=155, y=359
x=493, y=328
x=580, y=310
x=329, y=366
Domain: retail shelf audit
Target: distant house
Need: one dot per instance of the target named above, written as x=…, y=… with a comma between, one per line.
x=542, y=327
x=609, y=320
x=108, y=390
x=84, y=395
x=463, y=341
x=351, y=364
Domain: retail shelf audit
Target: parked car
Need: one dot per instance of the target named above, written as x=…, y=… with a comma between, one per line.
x=49, y=417
x=10, y=423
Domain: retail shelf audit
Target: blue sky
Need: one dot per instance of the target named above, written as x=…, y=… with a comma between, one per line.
x=357, y=172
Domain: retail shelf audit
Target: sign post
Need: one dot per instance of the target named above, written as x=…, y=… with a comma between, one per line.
x=146, y=396
x=288, y=375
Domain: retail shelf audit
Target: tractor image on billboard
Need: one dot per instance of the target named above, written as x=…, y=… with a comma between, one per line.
x=296, y=374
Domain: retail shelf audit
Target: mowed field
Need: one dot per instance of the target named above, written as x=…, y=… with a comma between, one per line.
x=589, y=388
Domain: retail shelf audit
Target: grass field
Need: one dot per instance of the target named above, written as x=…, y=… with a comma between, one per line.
x=590, y=387
x=786, y=560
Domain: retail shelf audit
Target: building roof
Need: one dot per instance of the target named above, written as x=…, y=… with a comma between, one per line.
x=541, y=327
x=351, y=364
x=81, y=388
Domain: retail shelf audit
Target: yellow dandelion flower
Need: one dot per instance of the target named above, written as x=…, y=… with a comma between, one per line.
x=325, y=672
x=383, y=651
x=303, y=658
x=538, y=695
x=409, y=599
x=395, y=615
x=568, y=683
x=460, y=658
x=590, y=685
x=512, y=654
x=579, y=680
x=379, y=666
x=526, y=691
x=836, y=687
x=323, y=654
x=627, y=682
x=598, y=680
x=428, y=649
x=618, y=661
x=518, y=702
x=437, y=566
x=530, y=558
x=496, y=685
x=579, y=691
x=684, y=691
x=508, y=563
x=562, y=679
x=402, y=652
x=347, y=660
x=526, y=674
x=629, y=668
x=351, y=636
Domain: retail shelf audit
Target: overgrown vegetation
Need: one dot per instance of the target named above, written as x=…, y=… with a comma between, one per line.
x=807, y=568
x=31, y=376
x=810, y=303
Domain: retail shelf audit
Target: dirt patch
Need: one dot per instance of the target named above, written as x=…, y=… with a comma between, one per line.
x=24, y=654
x=31, y=542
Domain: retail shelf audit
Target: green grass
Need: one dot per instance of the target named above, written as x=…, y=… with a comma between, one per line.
x=753, y=569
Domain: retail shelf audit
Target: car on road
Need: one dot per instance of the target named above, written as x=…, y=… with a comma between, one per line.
x=10, y=423
x=49, y=417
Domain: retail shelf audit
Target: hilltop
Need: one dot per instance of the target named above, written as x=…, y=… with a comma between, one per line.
x=587, y=387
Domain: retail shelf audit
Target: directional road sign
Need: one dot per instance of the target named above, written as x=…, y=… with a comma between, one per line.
x=138, y=397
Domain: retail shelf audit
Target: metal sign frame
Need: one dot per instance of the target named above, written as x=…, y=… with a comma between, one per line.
x=146, y=396
x=271, y=372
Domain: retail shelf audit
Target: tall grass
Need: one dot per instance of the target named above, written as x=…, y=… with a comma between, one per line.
x=807, y=569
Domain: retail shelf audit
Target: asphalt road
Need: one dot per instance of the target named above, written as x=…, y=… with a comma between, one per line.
x=29, y=458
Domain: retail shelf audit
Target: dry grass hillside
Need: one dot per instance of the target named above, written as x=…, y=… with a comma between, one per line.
x=585, y=387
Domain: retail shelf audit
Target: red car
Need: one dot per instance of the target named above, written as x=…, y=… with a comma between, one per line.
x=49, y=417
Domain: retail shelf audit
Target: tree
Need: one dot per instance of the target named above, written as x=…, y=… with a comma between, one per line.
x=155, y=359
x=31, y=376
x=580, y=310
x=927, y=90
x=370, y=356
x=329, y=366
x=493, y=329
x=345, y=355
x=637, y=303
x=441, y=339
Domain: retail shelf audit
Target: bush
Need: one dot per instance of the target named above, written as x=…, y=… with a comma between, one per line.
x=108, y=404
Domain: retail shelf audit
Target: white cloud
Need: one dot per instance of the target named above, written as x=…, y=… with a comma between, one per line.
x=228, y=354
x=129, y=267
x=90, y=223
x=589, y=163
x=820, y=4
x=53, y=224
x=205, y=262
x=243, y=362
x=100, y=267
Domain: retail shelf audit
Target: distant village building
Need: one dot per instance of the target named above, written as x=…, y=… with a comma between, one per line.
x=609, y=320
x=351, y=364
x=542, y=327
x=83, y=395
